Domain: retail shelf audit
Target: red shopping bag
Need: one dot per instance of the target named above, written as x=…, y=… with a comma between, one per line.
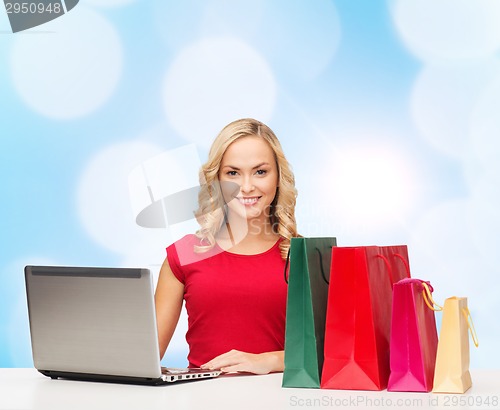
x=414, y=337
x=359, y=314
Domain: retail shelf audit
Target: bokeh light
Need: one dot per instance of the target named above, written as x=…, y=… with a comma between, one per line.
x=64, y=74
x=214, y=82
x=448, y=29
x=103, y=196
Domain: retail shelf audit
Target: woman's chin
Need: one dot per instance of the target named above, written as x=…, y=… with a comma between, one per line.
x=247, y=212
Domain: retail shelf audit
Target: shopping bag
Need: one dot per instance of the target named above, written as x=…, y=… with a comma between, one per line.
x=452, y=374
x=308, y=275
x=359, y=315
x=413, y=343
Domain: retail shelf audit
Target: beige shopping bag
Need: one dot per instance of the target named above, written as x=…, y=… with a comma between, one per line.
x=451, y=374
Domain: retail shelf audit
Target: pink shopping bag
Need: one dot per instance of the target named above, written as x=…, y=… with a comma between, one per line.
x=414, y=339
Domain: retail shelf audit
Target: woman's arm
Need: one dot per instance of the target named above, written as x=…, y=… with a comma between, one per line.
x=168, y=301
x=236, y=361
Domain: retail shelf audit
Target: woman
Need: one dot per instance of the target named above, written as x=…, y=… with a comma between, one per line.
x=230, y=273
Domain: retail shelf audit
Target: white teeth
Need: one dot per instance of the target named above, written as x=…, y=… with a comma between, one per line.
x=248, y=201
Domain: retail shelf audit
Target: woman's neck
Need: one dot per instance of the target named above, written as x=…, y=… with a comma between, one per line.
x=246, y=236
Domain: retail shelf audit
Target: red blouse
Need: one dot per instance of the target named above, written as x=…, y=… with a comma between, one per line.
x=233, y=301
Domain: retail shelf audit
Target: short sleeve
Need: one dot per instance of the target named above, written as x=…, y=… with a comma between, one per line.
x=174, y=263
x=180, y=254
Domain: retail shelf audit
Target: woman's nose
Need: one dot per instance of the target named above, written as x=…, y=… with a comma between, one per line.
x=247, y=185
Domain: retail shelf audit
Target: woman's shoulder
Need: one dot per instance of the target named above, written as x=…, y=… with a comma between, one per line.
x=184, y=250
x=184, y=245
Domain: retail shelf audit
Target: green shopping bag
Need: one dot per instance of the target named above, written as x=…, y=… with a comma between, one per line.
x=309, y=262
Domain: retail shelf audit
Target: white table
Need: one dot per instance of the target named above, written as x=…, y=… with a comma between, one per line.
x=22, y=389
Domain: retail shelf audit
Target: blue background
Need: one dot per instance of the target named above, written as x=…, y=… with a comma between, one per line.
x=387, y=111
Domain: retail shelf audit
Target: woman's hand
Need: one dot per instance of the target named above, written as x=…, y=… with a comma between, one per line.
x=236, y=361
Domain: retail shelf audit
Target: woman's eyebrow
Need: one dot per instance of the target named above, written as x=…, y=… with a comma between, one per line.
x=237, y=169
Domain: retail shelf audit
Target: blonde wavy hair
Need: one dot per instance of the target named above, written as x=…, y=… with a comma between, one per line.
x=211, y=214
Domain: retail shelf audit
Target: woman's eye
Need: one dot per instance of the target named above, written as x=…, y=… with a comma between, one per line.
x=231, y=173
x=261, y=172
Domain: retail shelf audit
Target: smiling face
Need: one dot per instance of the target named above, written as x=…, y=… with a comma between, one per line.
x=249, y=164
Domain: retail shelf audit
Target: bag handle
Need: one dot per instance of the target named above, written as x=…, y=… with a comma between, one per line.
x=428, y=298
x=286, y=265
x=287, y=262
x=405, y=262
x=470, y=325
x=321, y=266
x=389, y=269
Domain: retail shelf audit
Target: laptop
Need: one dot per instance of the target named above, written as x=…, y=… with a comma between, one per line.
x=97, y=324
